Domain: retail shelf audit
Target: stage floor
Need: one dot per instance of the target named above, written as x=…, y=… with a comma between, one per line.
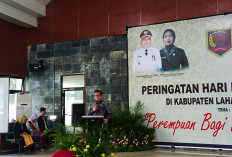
x=157, y=152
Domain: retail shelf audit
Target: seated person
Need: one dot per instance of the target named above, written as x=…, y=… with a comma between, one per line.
x=20, y=129
x=43, y=125
x=99, y=107
x=33, y=127
x=42, y=120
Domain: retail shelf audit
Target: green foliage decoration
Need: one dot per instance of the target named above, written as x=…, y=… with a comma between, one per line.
x=125, y=132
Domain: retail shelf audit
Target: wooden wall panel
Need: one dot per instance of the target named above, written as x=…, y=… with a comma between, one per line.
x=196, y=8
x=65, y=20
x=157, y=11
x=123, y=13
x=13, y=43
x=43, y=33
x=81, y=19
x=224, y=6
x=93, y=18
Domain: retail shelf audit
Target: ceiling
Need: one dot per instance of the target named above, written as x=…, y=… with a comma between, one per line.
x=23, y=12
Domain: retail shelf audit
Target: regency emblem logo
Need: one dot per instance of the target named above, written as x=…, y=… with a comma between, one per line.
x=219, y=41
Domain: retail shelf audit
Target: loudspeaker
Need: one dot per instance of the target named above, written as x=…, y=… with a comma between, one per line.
x=78, y=111
x=38, y=66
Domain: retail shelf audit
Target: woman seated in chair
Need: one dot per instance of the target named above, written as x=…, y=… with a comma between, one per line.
x=20, y=130
x=33, y=127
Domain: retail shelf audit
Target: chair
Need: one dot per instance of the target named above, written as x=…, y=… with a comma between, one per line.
x=10, y=136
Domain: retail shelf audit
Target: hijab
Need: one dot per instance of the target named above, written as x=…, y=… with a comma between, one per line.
x=21, y=119
x=32, y=118
x=169, y=49
x=172, y=32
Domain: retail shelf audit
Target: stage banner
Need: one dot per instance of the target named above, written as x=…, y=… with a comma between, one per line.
x=182, y=72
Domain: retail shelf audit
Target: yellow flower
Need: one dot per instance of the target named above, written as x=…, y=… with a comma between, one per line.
x=111, y=135
x=103, y=155
x=124, y=137
x=112, y=154
x=147, y=135
x=76, y=155
x=87, y=146
x=74, y=149
x=85, y=150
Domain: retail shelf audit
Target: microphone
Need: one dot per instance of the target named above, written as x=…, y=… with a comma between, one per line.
x=95, y=107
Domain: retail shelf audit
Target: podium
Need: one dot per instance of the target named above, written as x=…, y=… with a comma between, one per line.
x=93, y=120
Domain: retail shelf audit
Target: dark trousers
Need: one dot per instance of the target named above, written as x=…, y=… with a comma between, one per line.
x=22, y=144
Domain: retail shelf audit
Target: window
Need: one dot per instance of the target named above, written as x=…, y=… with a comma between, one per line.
x=16, y=86
x=72, y=81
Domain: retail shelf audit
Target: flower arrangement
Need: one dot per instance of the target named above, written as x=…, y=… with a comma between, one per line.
x=126, y=132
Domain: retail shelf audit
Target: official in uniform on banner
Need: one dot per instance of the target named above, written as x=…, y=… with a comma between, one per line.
x=147, y=58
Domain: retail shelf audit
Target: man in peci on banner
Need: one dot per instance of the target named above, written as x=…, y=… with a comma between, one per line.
x=147, y=58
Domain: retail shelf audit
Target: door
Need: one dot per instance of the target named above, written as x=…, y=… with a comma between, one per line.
x=72, y=99
x=72, y=103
